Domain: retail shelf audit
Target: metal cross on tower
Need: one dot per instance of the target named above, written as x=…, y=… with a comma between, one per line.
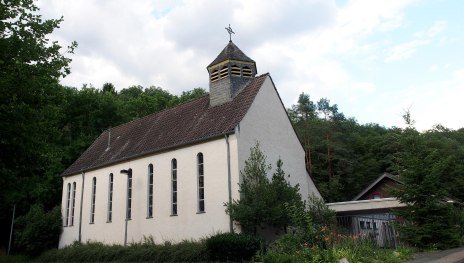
x=230, y=31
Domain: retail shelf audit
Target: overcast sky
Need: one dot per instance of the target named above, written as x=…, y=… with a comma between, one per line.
x=373, y=58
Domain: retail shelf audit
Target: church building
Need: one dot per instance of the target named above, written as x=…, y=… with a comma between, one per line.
x=169, y=174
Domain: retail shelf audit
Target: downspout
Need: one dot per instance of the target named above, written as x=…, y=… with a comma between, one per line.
x=229, y=182
x=80, y=209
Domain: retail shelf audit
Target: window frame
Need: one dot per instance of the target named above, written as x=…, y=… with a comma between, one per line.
x=68, y=196
x=376, y=195
x=73, y=203
x=109, y=215
x=129, y=197
x=92, y=201
x=174, y=190
x=150, y=191
x=200, y=183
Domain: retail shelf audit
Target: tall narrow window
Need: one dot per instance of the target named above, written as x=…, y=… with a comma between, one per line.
x=110, y=199
x=73, y=203
x=174, y=186
x=150, y=192
x=68, y=196
x=129, y=196
x=92, y=205
x=201, y=183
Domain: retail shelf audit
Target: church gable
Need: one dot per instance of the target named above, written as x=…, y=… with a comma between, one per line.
x=186, y=124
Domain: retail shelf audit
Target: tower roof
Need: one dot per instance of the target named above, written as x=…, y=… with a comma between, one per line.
x=231, y=52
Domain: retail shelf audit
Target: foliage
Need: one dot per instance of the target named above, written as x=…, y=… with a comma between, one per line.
x=428, y=164
x=38, y=230
x=44, y=126
x=311, y=226
x=232, y=247
x=352, y=250
x=315, y=238
x=263, y=201
x=343, y=157
x=185, y=251
x=30, y=66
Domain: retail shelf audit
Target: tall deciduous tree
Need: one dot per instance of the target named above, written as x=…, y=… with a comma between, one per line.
x=30, y=66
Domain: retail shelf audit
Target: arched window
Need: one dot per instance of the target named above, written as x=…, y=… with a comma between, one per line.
x=150, y=192
x=247, y=72
x=214, y=75
x=73, y=203
x=235, y=71
x=129, y=196
x=68, y=196
x=223, y=72
x=174, y=187
x=110, y=199
x=92, y=204
x=201, y=183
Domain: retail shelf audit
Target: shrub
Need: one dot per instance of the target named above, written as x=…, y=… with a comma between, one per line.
x=38, y=230
x=263, y=201
x=232, y=247
x=185, y=251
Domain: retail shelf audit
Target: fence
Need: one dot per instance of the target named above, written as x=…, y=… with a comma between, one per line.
x=377, y=227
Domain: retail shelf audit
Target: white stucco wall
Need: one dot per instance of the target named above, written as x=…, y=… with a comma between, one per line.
x=71, y=232
x=266, y=121
x=188, y=224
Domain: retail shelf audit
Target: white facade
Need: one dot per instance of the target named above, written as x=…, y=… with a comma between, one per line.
x=266, y=121
x=187, y=224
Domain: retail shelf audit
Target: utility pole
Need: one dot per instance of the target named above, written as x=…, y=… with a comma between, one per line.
x=11, y=229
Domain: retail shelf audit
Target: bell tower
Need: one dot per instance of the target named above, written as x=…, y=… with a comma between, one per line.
x=228, y=73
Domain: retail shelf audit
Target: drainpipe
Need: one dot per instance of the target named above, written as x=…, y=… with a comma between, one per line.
x=229, y=182
x=80, y=210
x=127, y=172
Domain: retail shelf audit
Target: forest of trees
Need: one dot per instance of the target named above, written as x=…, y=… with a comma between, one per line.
x=343, y=156
x=46, y=126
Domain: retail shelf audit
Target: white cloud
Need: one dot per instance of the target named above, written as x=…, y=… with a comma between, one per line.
x=305, y=45
x=404, y=50
x=407, y=49
x=438, y=102
x=435, y=29
x=365, y=87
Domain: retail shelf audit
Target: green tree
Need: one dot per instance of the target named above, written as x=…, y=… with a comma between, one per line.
x=281, y=195
x=109, y=87
x=30, y=97
x=38, y=230
x=263, y=201
x=342, y=156
x=427, y=163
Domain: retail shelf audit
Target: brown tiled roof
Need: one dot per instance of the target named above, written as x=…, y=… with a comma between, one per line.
x=231, y=52
x=182, y=125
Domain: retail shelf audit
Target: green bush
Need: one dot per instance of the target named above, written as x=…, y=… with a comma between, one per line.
x=38, y=230
x=232, y=247
x=185, y=251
